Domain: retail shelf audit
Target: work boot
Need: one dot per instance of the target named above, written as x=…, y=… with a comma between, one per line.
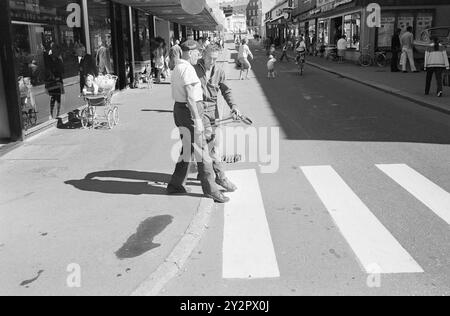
x=173, y=190
x=227, y=185
x=218, y=197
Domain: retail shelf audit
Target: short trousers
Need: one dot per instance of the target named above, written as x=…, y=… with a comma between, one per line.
x=245, y=63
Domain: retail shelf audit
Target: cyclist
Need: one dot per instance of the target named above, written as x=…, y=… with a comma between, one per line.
x=301, y=54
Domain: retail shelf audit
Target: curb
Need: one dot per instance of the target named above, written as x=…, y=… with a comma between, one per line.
x=381, y=87
x=175, y=262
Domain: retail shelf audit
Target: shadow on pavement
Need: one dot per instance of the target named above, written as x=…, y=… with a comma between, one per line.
x=114, y=182
x=321, y=106
x=142, y=241
x=156, y=111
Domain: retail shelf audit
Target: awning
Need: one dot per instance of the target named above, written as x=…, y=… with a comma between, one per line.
x=171, y=10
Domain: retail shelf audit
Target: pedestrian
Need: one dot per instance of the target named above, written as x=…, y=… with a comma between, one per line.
x=396, y=48
x=314, y=45
x=213, y=81
x=300, y=50
x=284, y=54
x=436, y=61
x=175, y=54
x=159, y=61
x=407, y=42
x=244, y=54
x=103, y=59
x=342, y=47
x=54, y=83
x=87, y=66
x=271, y=67
x=188, y=114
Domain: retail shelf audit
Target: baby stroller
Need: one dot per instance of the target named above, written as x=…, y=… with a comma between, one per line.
x=91, y=116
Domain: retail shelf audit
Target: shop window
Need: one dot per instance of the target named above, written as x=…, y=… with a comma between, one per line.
x=352, y=28
x=47, y=40
x=142, y=37
x=404, y=22
x=386, y=31
x=100, y=35
x=424, y=21
x=323, y=29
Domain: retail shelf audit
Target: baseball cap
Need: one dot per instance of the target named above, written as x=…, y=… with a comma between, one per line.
x=189, y=45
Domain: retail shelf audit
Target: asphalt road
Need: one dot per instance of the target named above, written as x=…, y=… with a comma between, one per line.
x=357, y=206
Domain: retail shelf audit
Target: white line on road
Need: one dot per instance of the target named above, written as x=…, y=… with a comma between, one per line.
x=377, y=250
x=433, y=196
x=248, y=250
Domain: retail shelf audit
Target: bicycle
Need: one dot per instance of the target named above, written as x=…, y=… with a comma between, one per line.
x=380, y=58
x=301, y=61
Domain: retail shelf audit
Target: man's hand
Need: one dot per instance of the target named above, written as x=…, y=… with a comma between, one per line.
x=236, y=114
x=199, y=127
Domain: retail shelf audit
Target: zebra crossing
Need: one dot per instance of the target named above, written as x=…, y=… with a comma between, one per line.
x=248, y=250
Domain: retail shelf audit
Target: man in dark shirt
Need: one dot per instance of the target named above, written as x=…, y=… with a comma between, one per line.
x=87, y=67
x=213, y=81
x=396, y=48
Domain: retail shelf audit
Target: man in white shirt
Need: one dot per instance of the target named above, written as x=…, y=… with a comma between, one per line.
x=407, y=41
x=188, y=114
x=342, y=47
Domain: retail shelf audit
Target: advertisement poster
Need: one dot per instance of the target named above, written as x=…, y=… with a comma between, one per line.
x=423, y=22
x=404, y=22
x=386, y=31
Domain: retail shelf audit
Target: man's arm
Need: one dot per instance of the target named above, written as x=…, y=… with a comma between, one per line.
x=226, y=92
x=192, y=106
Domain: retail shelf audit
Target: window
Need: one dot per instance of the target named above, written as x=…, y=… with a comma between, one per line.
x=352, y=28
x=386, y=31
x=100, y=36
x=46, y=47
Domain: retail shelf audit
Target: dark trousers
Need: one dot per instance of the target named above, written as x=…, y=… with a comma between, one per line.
x=283, y=56
x=394, y=61
x=209, y=118
x=438, y=73
x=194, y=146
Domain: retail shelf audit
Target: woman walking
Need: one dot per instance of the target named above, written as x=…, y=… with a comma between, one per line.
x=244, y=53
x=436, y=61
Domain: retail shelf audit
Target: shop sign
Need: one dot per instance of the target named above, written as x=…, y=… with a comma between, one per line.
x=74, y=17
x=374, y=16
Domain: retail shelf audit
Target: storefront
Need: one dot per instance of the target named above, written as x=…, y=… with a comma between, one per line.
x=49, y=42
x=279, y=23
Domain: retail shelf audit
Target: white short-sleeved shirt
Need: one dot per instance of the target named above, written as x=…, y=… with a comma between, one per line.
x=342, y=44
x=244, y=51
x=184, y=75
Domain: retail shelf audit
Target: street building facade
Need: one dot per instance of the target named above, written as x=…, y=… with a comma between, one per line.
x=48, y=42
x=279, y=24
x=327, y=20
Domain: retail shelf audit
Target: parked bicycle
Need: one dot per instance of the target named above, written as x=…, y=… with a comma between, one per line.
x=380, y=58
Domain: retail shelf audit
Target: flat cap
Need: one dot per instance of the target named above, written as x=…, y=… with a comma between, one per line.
x=189, y=45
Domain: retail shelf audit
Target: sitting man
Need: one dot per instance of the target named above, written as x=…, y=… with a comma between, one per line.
x=213, y=80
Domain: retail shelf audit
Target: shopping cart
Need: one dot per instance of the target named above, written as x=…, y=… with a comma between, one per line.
x=99, y=109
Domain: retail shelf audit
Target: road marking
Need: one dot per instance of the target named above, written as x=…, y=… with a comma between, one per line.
x=433, y=196
x=248, y=250
x=371, y=242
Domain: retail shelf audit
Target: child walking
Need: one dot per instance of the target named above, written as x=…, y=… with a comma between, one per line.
x=271, y=67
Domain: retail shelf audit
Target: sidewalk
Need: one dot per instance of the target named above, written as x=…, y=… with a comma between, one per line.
x=410, y=86
x=93, y=199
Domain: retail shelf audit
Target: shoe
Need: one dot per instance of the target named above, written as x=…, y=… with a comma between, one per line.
x=227, y=185
x=405, y=72
x=439, y=94
x=172, y=190
x=218, y=197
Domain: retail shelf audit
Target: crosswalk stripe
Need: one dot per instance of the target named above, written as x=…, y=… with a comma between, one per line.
x=248, y=250
x=377, y=250
x=430, y=194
